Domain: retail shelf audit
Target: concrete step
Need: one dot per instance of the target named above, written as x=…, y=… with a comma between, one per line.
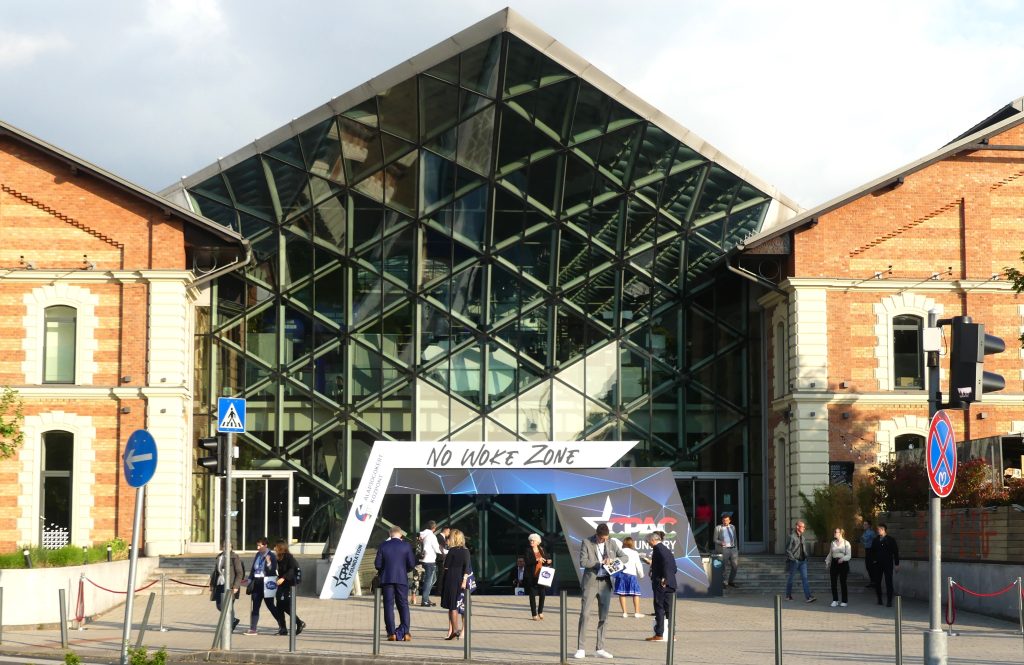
x=766, y=573
x=195, y=583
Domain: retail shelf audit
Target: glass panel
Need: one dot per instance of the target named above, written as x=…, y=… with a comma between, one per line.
x=569, y=413
x=56, y=511
x=59, y=351
x=480, y=67
x=602, y=374
x=907, y=354
x=465, y=374
x=249, y=185
x=439, y=106
x=278, y=511
x=329, y=375
x=321, y=148
x=496, y=432
x=401, y=181
x=438, y=181
x=475, y=137
x=535, y=413
x=58, y=451
x=290, y=187
x=501, y=373
x=254, y=507
x=432, y=414
x=398, y=110
x=361, y=149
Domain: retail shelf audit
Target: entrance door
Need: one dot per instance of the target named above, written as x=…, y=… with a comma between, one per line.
x=262, y=504
x=706, y=498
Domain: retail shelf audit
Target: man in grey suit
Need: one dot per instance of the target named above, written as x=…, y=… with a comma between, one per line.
x=595, y=552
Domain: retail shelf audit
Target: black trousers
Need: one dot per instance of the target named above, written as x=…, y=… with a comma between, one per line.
x=536, y=592
x=662, y=607
x=884, y=570
x=257, y=600
x=284, y=603
x=839, y=570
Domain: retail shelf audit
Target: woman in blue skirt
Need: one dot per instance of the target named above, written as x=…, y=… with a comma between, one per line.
x=627, y=580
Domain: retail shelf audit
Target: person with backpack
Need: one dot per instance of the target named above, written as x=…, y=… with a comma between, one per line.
x=289, y=575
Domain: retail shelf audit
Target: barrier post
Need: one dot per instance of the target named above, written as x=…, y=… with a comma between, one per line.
x=110, y=553
x=163, y=582
x=63, y=619
x=671, y=632
x=899, y=630
x=294, y=618
x=376, y=621
x=949, y=605
x=80, y=605
x=778, y=629
x=1, y=615
x=563, y=626
x=145, y=619
x=467, y=645
x=1020, y=604
x=27, y=557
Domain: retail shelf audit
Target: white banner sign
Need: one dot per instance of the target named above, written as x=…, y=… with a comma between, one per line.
x=387, y=456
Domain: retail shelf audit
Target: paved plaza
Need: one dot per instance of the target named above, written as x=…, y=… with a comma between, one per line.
x=735, y=630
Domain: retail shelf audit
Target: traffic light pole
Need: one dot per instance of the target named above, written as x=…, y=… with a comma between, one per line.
x=935, y=647
x=228, y=599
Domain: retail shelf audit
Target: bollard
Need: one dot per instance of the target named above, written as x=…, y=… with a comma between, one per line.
x=899, y=630
x=949, y=604
x=63, y=620
x=28, y=558
x=467, y=645
x=85, y=554
x=376, y=621
x=563, y=626
x=1020, y=604
x=110, y=553
x=671, y=632
x=778, y=629
x=145, y=619
x=294, y=617
x=163, y=582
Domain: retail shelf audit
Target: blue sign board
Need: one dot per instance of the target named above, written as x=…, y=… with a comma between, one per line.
x=139, y=458
x=230, y=414
x=940, y=455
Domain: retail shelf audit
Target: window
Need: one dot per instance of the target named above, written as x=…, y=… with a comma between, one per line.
x=908, y=358
x=909, y=442
x=59, y=341
x=780, y=360
x=55, y=519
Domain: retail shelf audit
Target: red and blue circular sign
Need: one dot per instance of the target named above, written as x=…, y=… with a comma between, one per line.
x=940, y=455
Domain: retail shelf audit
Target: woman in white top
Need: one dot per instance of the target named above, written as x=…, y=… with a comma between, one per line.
x=626, y=583
x=838, y=564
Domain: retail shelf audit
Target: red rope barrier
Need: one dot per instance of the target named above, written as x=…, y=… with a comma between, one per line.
x=985, y=595
x=201, y=586
x=142, y=588
x=80, y=605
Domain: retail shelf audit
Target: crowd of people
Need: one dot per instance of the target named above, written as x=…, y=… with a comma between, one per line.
x=609, y=567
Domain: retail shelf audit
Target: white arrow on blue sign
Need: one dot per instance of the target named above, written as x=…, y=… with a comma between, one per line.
x=139, y=458
x=230, y=414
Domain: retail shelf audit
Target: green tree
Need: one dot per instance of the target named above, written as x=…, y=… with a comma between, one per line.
x=1017, y=278
x=11, y=421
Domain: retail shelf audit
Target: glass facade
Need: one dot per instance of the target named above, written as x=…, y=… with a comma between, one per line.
x=492, y=249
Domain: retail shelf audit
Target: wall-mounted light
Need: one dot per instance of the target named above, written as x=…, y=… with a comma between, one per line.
x=846, y=415
x=844, y=384
x=982, y=415
x=126, y=409
x=126, y=379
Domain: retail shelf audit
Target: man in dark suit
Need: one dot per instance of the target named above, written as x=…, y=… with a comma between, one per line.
x=887, y=558
x=394, y=561
x=663, y=582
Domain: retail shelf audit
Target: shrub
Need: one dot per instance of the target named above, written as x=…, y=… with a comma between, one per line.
x=901, y=486
x=974, y=488
x=866, y=493
x=830, y=507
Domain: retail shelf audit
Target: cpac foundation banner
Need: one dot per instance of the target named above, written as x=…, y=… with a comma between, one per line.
x=632, y=501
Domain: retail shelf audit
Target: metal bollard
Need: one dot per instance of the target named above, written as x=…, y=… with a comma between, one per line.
x=376, y=621
x=85, y=554
x=63, y=620
x=671, y=636
x=949, y=604
x=778, y=629
x=563, y=626
x=467, y=645
x=110, y=553
x=1020, y=604
x=28, y=558
x=899, y=630
x=145, y=619
x=163, y=582
x=294, y=618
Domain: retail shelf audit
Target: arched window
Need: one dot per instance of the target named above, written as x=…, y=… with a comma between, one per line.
x=55, y=518
x=59, y=345
x=780, y=360
x=907, y=356
x=909, y=442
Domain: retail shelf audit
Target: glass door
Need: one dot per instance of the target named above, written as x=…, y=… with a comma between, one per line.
x=262, y=507
x=706, y=498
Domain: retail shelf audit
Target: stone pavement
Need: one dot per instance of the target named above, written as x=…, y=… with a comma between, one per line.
x=737, y=630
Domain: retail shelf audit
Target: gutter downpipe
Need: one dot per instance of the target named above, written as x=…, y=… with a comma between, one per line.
x=231, y=267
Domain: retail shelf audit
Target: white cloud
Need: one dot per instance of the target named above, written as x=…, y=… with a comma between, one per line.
x=17, y=50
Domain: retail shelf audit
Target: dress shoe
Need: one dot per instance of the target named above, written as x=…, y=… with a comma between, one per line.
x=301, y=626
x=282, y=631
x=392, y=638
x=407, y=638
x=655, y=638
x=234, y=623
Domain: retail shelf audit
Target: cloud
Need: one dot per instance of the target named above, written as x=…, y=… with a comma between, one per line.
x=17, y=50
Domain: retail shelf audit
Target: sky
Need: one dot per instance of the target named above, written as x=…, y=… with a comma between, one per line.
x=814, y=98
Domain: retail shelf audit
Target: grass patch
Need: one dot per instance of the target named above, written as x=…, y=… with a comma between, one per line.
x=68, y=555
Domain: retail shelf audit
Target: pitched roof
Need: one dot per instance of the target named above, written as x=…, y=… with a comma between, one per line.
x=191, y=219
x=505, y=20
x=995, y=124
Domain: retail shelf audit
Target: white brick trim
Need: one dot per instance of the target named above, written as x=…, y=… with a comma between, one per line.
x=85, y=303
x=808, y=339
x=889, y=429
x=885, y=309
x=780, y=370
x=82, y=477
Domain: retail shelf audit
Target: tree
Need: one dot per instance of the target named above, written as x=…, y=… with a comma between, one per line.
x=11, y=421
x=1017, y=277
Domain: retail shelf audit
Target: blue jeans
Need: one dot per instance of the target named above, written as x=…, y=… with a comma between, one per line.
x=429, y=575
x=793, y=567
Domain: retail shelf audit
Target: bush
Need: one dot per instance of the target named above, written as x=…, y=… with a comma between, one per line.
x=69, y=555
x=830, y=507
x=140, y=656
x=901, y=486
x=974, y=488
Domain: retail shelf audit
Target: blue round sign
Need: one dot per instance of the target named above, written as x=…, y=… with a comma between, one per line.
x=139, y=458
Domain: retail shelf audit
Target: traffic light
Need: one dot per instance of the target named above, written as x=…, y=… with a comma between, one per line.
x=214, y=461
x=968, y=380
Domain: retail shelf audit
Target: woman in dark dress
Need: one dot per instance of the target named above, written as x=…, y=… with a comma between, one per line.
x=535, y=559
x=457, y=568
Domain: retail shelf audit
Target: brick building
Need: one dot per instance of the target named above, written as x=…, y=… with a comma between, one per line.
x=856, y=278
x=98, y=282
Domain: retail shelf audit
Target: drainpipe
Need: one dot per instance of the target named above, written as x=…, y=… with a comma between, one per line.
x=231, y=267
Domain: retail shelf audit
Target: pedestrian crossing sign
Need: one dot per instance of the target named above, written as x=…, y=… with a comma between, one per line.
x=230, y=414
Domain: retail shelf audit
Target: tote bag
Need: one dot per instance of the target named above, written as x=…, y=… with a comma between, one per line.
x=269, y=586
x=546, y=576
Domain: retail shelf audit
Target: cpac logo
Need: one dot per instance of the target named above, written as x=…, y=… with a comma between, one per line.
x=360, y=515
x=632, y=524
x=348, y=567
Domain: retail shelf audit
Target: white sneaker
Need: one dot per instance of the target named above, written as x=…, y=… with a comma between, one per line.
x=638, y=615
x=842, y=604
x=835, y=603
x=625, y=614
x=603, y=654
x=580, y=654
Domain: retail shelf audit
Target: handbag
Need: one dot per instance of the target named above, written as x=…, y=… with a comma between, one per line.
x=471, y=583
x=269, y=586
x=248, y=587
x=546, y=576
